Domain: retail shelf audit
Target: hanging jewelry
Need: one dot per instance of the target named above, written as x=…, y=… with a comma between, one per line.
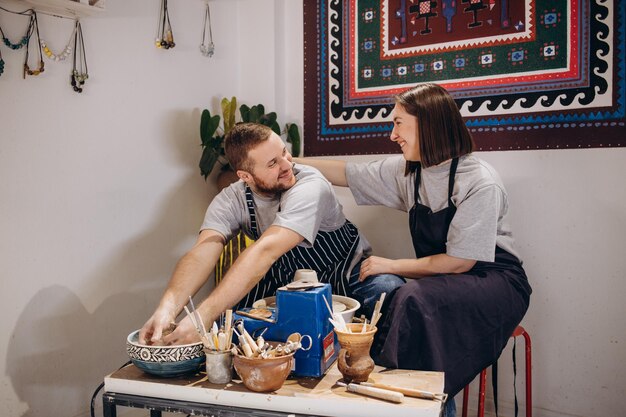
x=207, y=50
x=25, y=39
x=1, y=63
x=165, y=36
x=63, y=55
x=80, y=73
x=40, y=69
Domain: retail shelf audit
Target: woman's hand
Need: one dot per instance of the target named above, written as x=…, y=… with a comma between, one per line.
x=375, y=265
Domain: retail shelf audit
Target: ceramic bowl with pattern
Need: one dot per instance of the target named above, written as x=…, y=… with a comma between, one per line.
x=165, y=361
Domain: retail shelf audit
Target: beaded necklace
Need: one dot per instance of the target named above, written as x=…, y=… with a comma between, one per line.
x=1, y=63
x=26, y=38
x=165, y=36
x=40, y=69
x=79, y=72
x=209, y=49
x=63, y=55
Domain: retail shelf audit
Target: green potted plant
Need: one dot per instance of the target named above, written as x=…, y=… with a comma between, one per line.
x=212, y=135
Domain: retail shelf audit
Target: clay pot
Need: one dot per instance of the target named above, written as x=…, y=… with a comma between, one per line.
x=354, y=361
x=263, y=375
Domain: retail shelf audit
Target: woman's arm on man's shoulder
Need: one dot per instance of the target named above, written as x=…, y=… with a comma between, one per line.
x=333, y=170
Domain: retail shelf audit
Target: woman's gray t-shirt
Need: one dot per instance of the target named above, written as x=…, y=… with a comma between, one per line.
x=480, y=222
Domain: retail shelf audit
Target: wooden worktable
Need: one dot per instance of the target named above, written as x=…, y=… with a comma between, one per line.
x=302, y=396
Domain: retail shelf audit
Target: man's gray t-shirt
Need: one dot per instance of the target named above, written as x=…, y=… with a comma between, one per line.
x=480, y=222
x=306, y=208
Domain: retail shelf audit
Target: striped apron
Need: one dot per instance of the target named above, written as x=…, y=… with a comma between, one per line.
x=330, y=256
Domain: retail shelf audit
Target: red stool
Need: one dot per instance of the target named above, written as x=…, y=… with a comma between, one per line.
x=519, y=331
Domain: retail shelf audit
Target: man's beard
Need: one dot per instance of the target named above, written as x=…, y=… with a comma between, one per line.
x=265, y=188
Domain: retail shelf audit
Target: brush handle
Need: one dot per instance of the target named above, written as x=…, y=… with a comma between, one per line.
x=383, y=394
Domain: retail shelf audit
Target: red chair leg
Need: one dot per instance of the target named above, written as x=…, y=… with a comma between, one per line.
x=519, y=331
x=465, y=398
x=529, y=385
x=481, y=393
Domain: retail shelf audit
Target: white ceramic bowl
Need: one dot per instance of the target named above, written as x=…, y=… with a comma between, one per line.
x=345, y=305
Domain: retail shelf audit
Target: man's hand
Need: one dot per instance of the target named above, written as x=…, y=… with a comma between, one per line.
x=185, y=333
x=152, y=332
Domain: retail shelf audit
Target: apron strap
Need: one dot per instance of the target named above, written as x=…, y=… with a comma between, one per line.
x=453, y=166
x=252, y=213
x=451, y=175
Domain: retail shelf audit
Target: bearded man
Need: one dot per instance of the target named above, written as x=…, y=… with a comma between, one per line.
x=296, y=221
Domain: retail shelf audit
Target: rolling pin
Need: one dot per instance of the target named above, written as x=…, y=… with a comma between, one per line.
x=383, y=394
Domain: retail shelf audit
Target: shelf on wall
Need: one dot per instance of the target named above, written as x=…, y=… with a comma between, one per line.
x=68, y=8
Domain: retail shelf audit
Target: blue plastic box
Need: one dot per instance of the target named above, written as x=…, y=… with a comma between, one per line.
x=304, y=312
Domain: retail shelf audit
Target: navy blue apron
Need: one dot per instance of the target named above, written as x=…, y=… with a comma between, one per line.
x=330, y=256
x=455, y=323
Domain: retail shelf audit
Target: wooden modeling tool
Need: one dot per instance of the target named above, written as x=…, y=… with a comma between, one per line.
x=410, y=392
x=383, y=394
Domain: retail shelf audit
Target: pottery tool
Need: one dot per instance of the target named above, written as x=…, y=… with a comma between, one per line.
x=410, y=392
x=199, y=321
x=337, y=319
x=376, y=315
x=205, y=340
x=383, y=394
x=221, y=341
x=252, y=316
x=250, y=341
x=247, y=350
x=228, y=323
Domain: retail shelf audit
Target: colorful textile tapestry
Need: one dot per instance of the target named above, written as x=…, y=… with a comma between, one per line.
x=526, y=74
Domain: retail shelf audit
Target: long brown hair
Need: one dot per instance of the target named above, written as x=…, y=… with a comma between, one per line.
x=442, y=132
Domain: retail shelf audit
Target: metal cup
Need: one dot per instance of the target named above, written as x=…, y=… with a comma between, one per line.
x=219, y=366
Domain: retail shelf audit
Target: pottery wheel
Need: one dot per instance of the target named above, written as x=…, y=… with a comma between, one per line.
x=338, y=307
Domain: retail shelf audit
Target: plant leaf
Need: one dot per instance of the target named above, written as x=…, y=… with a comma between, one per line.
x=293, y=137
x=208, y=160
x=229, y=109
x=205, y=136
x=255, y=115
x=245, y=113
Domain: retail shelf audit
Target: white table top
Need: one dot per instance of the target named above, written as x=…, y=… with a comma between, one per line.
x=317, y=396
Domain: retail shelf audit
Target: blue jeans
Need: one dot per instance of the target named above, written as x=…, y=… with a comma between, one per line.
x=449, y=408
x=368, y=291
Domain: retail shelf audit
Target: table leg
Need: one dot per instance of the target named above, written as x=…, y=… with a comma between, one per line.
x=109, y=408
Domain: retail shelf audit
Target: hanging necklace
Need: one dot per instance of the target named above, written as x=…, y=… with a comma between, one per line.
x=63, y=55
x=40, y=69
x=80, y=74
x=165, y=36
x=24, y=41
x=207, y=50
x=1, y=63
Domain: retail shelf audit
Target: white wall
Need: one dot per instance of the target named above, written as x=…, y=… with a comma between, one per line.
x=100, y=195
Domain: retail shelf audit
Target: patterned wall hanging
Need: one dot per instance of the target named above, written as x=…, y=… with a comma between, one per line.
x=527, y=74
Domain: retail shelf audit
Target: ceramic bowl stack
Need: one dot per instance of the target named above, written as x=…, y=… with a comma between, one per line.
x=165, y=361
